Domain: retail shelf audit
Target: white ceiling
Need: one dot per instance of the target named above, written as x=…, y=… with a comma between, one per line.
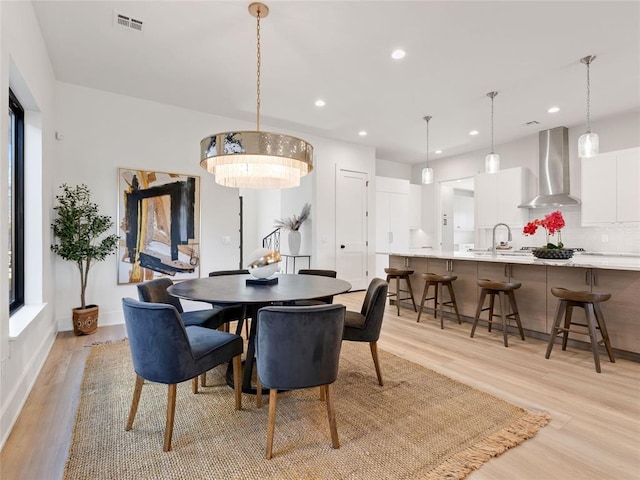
x=201, y=56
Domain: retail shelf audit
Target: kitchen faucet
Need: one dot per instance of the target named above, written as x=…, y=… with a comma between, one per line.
x=493, y=237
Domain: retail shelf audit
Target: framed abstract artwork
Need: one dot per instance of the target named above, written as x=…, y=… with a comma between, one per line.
x=158, y=224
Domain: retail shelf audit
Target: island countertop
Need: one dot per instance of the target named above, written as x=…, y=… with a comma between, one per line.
x=629, y=262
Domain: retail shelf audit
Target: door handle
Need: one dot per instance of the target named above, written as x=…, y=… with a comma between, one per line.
x=342, y=246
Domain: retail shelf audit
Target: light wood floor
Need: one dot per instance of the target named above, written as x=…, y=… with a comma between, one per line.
x=594, y=432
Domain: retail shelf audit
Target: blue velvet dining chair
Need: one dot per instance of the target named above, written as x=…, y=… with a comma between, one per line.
x=234, y=312
x=364, y=326
x=322, y=273
x=155, y=291
x=164, y=350
x=299, y=347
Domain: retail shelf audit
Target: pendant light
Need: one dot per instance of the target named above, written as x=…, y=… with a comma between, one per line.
x=427, y=172
x=256, y=159
x=589, y=143
x=492, y=161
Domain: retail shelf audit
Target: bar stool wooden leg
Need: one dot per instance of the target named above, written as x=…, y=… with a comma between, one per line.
x=502, y=300
x=492, y=300
x=603, y=331
x=483, y=295
x=567, y=324
x=452, y=296
x=425, y=292
x=413, y=300
x=515, y=312
x=398, y=294
x=591, y=322
x=441, y=305
x=560, y=310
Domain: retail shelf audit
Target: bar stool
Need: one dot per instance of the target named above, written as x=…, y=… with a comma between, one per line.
x=506, y=297
x=399, y=274
x=438, y=281
x=590, y=302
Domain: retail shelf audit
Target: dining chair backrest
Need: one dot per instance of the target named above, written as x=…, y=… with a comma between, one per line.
x=299, y=347
x=322, y=273
x=155, y=291
x=158, y=341
x=373, y=308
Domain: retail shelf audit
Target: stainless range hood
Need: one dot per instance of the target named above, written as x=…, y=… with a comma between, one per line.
x=553, y=174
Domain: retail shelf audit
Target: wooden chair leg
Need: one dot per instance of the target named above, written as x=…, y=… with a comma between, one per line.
x=591, y=322
x=425, y=292
x=515, y=312
x=258, y=392
x=273, y=401
x=560, y=310
x=203, y=379
x=323, y=394
x=452, y=296
x=603, y=331
x=171, y=413
x=194, y=384
x=502, y=299
x=237, y=380
x=492, y=303
x=376, y=362
x=439, y=287
x=134, y=402
x=413, y=300
x=567, y=324
x=331, y=413
x=476, y=317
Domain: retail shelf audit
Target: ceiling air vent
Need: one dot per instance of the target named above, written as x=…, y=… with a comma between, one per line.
x=125, y=22
x=533, y=122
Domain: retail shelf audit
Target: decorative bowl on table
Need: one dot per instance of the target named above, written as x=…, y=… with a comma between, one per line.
x=264, y=262
x=552, y=253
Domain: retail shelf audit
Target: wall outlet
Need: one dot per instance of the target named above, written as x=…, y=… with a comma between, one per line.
x=226, y=240
x=604, y=238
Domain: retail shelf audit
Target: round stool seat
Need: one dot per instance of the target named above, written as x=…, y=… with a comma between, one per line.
x=434, y=277
x=499, y=286
x=396, y=272
x=580, y=296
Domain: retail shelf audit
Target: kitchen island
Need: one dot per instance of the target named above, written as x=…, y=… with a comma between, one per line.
x=615, y=274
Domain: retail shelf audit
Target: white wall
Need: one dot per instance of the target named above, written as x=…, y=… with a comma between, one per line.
x=25, y=66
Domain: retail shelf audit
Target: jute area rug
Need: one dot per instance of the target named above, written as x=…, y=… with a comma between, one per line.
x=420, y=425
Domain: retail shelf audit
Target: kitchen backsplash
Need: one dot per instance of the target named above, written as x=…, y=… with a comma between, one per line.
x=613, y=238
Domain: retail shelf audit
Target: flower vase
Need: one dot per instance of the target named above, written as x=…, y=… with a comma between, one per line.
x=294, y=239
x=553, y=253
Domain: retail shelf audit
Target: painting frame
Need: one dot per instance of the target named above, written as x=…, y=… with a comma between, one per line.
x=159, y=225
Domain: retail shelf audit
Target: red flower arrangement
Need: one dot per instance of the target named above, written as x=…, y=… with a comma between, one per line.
x=552, y=223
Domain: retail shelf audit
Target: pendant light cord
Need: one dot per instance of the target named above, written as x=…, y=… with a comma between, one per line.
x=258, y=65
x=426, y=119
x=588, y=97
x=492, y=96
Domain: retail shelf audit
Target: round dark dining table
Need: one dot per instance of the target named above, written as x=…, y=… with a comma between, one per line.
x=233, y=289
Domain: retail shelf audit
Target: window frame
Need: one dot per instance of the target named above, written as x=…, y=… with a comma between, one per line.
x=17, y=192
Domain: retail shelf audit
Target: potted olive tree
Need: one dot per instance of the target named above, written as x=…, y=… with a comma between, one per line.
x=78, y=229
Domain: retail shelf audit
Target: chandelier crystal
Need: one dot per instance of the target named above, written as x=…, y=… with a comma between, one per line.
x=588, y=143
x=256, y=159
x=427, y=172
x=492, y=161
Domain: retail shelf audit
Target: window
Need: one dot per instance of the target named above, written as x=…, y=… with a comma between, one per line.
x=16, y=204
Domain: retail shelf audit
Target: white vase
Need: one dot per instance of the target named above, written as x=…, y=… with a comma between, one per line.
x=294, y=242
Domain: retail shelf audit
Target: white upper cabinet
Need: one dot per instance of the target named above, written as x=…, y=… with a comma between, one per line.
x=611, y=187
x=415, y=207
x=392, y=215
x=497, y=196
x=429, y=208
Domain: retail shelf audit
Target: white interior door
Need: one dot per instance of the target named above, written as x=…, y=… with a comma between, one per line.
x=351, y=227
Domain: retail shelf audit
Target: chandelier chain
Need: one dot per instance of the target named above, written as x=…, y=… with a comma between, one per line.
x=258, y=65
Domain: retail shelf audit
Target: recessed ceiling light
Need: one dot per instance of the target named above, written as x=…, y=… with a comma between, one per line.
x=398, y=54
x=320, y=103
x=362, y=133
x=438, y=151
x=554, y=110
x=474, y=132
